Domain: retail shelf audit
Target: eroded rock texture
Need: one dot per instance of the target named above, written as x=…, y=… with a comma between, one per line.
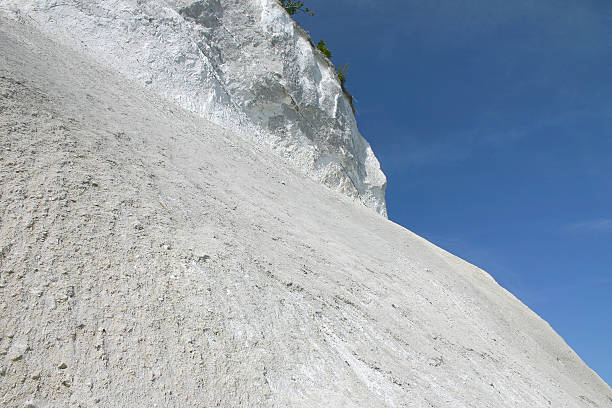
x=244, y=64
x=149, y=257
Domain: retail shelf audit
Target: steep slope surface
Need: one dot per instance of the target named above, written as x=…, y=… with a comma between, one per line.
x=243, y=64
x=151, y=258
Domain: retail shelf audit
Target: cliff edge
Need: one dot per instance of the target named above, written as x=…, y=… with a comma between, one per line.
x=243, y=64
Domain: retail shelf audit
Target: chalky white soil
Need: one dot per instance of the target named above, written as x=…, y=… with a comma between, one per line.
x=151, y=258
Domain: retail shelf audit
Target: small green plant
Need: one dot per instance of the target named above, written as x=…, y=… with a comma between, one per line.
x=342, y=73
x=321, y=46
x=295, y=6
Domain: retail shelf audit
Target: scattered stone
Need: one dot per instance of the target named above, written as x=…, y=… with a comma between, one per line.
x=17, y=351
x=436, y=361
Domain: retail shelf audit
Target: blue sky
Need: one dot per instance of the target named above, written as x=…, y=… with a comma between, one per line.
x=493, y=122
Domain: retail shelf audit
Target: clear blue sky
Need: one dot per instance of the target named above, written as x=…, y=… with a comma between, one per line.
x=493, y=122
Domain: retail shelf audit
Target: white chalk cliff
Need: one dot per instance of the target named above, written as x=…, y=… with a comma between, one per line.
x=161, y=245
x=245, y=65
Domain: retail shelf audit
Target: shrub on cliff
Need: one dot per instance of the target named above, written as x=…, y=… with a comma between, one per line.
x=321, y=46
x=295, y=6
x=342, y=73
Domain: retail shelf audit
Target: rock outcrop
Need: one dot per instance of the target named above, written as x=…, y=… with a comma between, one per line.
x=150, y=258
x=244, y=64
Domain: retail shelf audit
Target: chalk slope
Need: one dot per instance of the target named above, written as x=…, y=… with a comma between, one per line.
x=152, y=258
x=243, y=64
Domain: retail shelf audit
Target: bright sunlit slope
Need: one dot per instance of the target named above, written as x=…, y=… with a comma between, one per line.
x=151, y=257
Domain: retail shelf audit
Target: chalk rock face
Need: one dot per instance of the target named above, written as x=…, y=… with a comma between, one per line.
x=149, y=257
x=244, y=64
